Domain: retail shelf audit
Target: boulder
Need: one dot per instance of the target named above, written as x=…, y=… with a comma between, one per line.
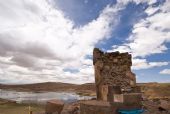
x=54, y=107
x=132, y=99
x=164, y=104
x=70, y=109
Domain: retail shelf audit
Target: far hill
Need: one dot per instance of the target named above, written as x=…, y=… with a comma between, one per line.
x=38, y=87
x=151, y=90
x=156, y=90
x=51, y=86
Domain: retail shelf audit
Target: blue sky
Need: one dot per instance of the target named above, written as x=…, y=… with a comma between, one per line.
x=84, y=11
x=52, y=40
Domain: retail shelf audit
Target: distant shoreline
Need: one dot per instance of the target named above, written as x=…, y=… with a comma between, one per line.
x=150, y=90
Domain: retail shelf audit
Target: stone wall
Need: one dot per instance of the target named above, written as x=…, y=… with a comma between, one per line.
x=112, y=69
x=96, y=107
x=104, y=107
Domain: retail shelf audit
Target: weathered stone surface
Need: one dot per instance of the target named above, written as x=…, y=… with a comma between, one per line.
x=165, y=104
x=108, y=91
x=96, y=107
x=116, y=90
x=103, y=107
x=154, y=107
x=71, y=109
x=112, y=69
x=54, y=106
x=119, y=106
x=129, y=99
x=136, y=89
x=118, y=98
x=132, y=99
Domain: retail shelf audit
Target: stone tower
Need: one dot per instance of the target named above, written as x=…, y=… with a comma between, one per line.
x=112, y=70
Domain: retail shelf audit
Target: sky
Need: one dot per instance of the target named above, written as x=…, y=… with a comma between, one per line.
x=53, y=40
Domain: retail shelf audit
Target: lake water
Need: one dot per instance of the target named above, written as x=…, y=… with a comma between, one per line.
x=40, y=98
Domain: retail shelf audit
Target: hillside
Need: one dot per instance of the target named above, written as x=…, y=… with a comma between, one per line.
x=150, y=90
x=156, y=90
x=48, y=86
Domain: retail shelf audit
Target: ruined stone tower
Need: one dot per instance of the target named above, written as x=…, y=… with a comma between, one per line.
x=112, y=70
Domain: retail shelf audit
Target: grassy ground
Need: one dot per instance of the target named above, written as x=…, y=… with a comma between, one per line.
x=156, y=90
x=13, y=108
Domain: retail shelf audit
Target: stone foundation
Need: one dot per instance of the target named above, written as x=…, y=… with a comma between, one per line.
x=130, y=99
x=103, y=107
x=95, y=107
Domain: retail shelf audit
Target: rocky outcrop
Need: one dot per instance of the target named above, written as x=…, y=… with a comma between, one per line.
x=157, y=106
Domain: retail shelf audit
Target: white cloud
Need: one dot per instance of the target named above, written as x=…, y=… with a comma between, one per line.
x=1, y=72
x=37, y=42
x=149, y=36
x=144, y=64
x=150, y=10
x=165, y=71
x=137, y=1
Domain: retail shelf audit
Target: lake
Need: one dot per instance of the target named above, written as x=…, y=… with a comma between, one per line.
x=40, y=97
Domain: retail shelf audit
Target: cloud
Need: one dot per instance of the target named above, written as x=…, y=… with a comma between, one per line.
x=149, y=36
x=38, y=42
x=165, y=71
x=151, y=10
x=144, y=64
x=136, y=1
x=1, y=72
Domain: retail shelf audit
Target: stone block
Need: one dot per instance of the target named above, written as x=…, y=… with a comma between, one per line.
x=165, y=104
x=110, y=94
x=119, y=106
x=54, y=106
x=96, y=107
x=129, y=99
x=70, y=109
x=105, y=92
x=132, y=99
x=116, y=90
x=118, y=98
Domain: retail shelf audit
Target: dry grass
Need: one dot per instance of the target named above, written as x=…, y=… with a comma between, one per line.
x=13, y=108
x=156, y=90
